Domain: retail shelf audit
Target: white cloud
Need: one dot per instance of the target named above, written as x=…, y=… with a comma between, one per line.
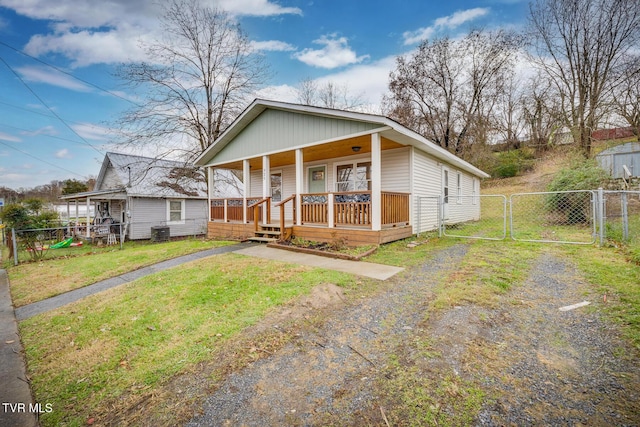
x=369, y=82
x=92, y=132
x=51, y=77
x=63, y=154
x=446, y=22
x=108, y=32
x=9, y=138
x=272, y=45
x=334, y=53
x=46, y=130
x=256, y=8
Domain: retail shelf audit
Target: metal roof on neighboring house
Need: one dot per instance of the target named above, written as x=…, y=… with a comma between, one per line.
x=139, y=176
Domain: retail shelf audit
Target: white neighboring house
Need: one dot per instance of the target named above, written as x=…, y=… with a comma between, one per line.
x=141, y=193
x=334, y=175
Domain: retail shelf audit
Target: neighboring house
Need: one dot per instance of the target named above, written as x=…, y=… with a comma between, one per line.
x=615, y=159
x=334, y=175
x=142, y=192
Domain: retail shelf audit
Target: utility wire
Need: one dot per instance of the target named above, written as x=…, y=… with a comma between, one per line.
x=41, y=160
x=47, y=107
x=42, y=134
x=67, y=73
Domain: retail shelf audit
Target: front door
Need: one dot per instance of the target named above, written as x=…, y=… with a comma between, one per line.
x=317, y=179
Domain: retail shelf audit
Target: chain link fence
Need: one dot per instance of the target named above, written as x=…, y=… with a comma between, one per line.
x=68, y=239
x=558, y=217
x=621, y=216
x=574, y=217
x=475, y=217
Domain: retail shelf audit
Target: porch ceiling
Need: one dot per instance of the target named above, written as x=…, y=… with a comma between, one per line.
x=314, y=153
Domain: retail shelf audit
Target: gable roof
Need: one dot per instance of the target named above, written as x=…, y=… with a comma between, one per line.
x=368, y=123
x=139, y=176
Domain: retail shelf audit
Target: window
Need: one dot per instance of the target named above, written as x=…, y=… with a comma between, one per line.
x=474, y=191
x=445, y=186
x=175, y=211
x=353, y=177
x=459, y=188
x=276, y=187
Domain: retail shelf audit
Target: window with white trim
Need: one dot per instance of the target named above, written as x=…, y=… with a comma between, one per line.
x=175, y=211
x=459, y=188
x=353, y=176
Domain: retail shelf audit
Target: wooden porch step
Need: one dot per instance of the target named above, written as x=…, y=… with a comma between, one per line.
x=268, y=232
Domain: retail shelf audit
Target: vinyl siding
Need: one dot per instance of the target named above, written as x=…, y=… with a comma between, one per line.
x=110, y=179
x=276, y=130
x=427, y=186
x=148, y=212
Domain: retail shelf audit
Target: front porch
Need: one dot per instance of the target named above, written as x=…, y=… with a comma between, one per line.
x=322, y=217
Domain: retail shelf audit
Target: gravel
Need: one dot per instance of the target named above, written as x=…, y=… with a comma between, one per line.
x=552, y=368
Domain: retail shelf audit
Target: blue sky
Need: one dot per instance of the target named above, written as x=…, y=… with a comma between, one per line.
x=58, y=94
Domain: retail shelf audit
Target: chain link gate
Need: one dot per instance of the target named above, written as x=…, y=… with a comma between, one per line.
x=554, y=217
x=475, y=217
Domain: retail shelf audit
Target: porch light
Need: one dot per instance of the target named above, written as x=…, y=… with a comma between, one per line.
x=356, y=148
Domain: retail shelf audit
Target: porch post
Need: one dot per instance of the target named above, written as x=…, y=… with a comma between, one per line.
x=299, y=185
x=88, y=233
x=376, y=183
x=246, y=181
x=68, y=218
x=210, y=185
x=266, y=184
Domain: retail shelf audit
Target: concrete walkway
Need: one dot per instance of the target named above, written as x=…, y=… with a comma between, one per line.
x=15, y=394
x=18, y=408
x=360, y=268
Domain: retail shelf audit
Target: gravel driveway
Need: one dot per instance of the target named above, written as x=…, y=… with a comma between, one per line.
x=536, y=364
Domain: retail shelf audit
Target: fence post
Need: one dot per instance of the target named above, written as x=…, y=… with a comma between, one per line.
x=419, y=216
x=600, y=214
x=625, y=217
x=440, y=216
x=15, y=246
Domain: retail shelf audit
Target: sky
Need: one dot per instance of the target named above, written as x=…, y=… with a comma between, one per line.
x=59, y=97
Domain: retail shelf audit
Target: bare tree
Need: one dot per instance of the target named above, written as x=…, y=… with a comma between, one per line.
x=447, y=89
x=197, y=80
x=329, y=95
x=579, y=45
x=626, y=95
x=540, y=111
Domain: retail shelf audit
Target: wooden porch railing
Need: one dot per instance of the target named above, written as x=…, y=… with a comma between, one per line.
x=256, y=212
x=313, y=208
x=281, y=205
x=395, y=208
x=234, y=208
x=352, y=208
x=349, y=208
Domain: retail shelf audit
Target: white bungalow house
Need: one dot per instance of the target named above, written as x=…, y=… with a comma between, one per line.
x=323, y=174
x=140, y=193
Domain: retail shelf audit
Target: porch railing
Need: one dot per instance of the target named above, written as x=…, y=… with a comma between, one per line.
x=395, y=208
x=233, y=207
x=351, y=208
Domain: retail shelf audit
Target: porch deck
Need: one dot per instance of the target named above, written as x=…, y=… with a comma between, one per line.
x=323, y=217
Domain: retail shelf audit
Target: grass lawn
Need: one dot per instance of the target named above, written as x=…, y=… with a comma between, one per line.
x=35, y=281
x=135, y=337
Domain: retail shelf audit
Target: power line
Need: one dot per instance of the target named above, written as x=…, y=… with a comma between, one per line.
x=41, y=160
x=47, y=107
x=42, y=134
x=67, y=73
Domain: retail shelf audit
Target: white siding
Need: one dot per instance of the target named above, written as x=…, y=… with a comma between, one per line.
x=428, y=185
x=148, y=212
x=396, y=173
x=110, y=180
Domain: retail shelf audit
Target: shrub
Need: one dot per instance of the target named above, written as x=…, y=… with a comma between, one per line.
x=582, y=175
x=512, y=163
